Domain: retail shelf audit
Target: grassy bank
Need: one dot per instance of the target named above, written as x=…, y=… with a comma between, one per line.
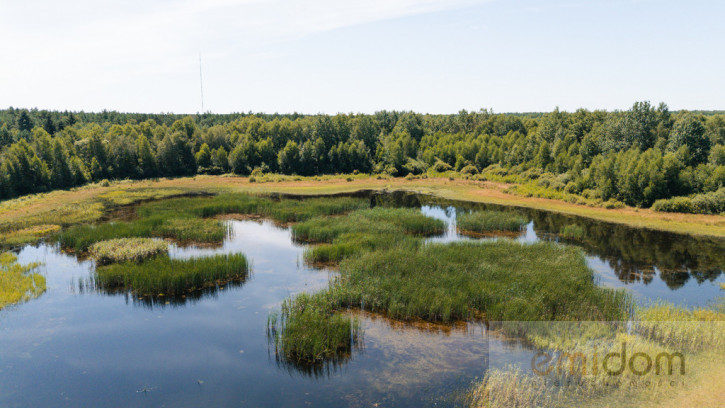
x=18, y=283
x=164, y=276
x=187, y=219
x=693, y=339
x=90, y=203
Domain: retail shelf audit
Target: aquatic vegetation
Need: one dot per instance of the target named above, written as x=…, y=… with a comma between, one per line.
x=573, y=232
x=27, y=235
x=376, y=221
x=483, y=221
x=686, y=329
x=164, y=276
x=280, y=210
x=310, y=330
x=126, y=250
x=364, y=230
x=192, y=230
x=17, y=282
x=503, y=280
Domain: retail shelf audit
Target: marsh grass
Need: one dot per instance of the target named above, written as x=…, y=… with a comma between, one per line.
x=164, y=276
x=573, y=232
x=695, y=329
x=126, y=250
x=363, y=230
x=504, y=280
x=696, y=335
x=17, y=282
x=484, y=221
x=27, y=235
x=279, y=210
x=310, y=330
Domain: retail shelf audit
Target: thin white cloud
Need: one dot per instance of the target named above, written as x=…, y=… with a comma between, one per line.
x=82, y=46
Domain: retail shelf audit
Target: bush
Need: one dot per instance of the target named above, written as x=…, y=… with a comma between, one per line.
x=440, y=166
x=707, y=203
x=469, y=170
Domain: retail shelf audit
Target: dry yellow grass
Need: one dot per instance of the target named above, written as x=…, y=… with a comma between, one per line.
x=87, y=204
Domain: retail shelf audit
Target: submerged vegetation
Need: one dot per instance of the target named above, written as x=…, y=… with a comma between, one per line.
x=126, y=250
x=17, y=282
x=164, y=276
x=484, y=221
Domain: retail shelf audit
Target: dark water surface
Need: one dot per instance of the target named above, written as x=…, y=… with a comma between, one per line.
x=75, y=346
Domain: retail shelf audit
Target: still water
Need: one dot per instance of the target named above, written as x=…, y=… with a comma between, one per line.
x=75, y=346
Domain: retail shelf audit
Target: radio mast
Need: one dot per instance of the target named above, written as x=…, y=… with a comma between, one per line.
x=201, y=85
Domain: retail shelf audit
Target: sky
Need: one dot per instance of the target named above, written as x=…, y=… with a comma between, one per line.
x=360, y=56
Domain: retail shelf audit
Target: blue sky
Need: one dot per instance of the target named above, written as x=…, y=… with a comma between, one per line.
x=361, y=56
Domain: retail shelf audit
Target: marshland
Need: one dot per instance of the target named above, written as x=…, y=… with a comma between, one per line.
x=388, y=298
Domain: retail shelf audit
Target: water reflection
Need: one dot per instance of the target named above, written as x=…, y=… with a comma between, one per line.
x=655, y=264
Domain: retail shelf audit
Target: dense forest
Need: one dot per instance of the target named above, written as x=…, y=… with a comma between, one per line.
x=645, y=156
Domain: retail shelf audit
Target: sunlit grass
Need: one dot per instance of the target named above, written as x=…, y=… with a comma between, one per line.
x=27, y=235
x=503, y=280
x=310, y=330
x=484, y=221
x=17, y=282
x=126, y=250
x=364, y=230
x=573, y=232
x=164, y=276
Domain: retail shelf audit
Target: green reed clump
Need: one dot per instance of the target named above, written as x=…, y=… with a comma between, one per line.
x=573, y=232
x=377, y=221
x=363, y=230
x=17, y=282
x=126, y=250
x=504, y=280
x=310, y=330
x=483, y=221
x=193, y=230
x=349, y=244
x=81, y=237
x=163, y=275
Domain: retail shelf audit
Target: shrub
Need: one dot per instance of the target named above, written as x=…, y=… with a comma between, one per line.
x=440, y=166
x=469, y=170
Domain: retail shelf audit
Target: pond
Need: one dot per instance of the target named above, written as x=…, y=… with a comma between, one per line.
x=78, y=346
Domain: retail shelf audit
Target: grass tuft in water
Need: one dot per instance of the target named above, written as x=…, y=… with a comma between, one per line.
x=164, y=276
x=17, y=282
x=126, y=250
x=484, y=221
x=310, y=330
x=573, y=232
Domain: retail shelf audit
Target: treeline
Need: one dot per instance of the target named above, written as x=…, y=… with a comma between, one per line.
x=637, y=156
